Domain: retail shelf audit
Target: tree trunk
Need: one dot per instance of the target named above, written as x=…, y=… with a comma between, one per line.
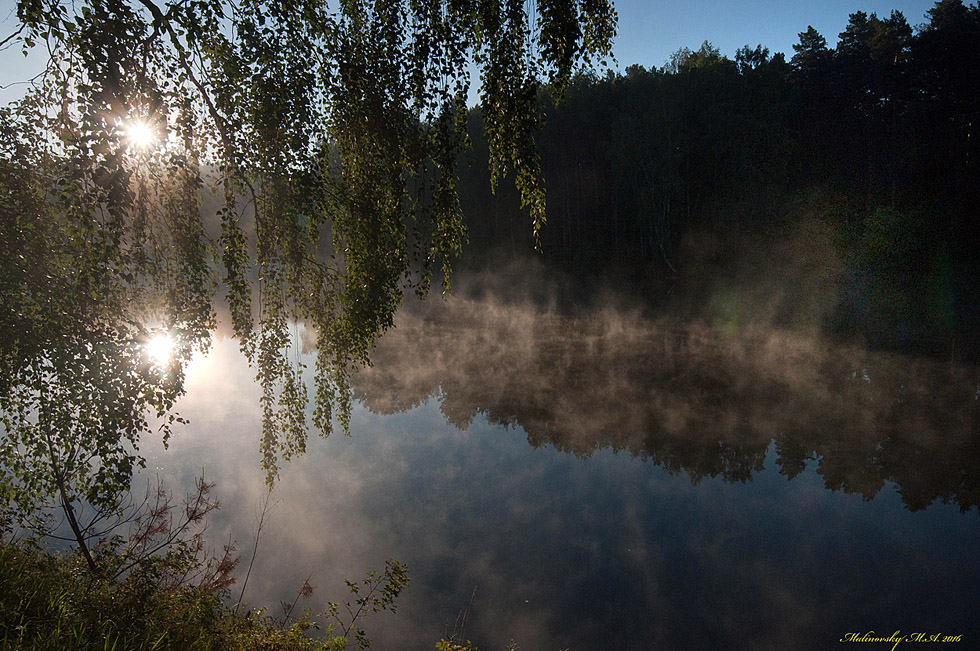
x=66, y=506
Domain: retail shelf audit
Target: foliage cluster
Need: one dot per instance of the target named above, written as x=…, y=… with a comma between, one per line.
x=298, y=154
x=51, y=601
x=338, y=125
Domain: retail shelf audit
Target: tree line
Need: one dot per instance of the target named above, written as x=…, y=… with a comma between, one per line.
x=704, y=165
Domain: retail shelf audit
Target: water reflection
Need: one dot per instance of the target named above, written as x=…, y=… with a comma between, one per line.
x=690, y=399
x=576, y=542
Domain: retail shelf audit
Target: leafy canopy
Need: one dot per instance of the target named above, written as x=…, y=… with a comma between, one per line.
x=297, y=156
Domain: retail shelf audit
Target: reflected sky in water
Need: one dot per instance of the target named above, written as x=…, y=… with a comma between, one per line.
x=608, y=482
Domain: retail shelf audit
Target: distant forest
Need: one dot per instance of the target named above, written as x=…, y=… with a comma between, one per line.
x=837, y=191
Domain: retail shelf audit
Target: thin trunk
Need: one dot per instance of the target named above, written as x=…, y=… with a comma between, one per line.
x=66, y=504
x=73, y=523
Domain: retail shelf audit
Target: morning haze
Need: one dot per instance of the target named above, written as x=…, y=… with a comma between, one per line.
x=669, y=356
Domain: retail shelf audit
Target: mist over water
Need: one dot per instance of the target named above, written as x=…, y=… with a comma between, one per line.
x=691, y=421
x=609, y=480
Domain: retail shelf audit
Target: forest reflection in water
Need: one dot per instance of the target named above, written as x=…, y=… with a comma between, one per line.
x=652, y=507
x=690, y=398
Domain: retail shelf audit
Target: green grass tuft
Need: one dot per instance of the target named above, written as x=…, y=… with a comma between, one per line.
x=50, y=601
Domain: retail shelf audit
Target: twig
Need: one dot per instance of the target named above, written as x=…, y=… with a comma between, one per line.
x=194, y=511
x=305, y=590
x=6, y=42
x=255, y=546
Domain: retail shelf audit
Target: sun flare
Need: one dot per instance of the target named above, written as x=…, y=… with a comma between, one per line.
x=140, y=134
x=160, y=349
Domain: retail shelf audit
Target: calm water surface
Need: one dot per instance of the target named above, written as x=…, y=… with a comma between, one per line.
x=613, y=483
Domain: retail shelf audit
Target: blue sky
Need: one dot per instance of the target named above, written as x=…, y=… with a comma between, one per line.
x=650, y=30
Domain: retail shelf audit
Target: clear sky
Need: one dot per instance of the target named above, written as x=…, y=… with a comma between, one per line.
x=651, y=30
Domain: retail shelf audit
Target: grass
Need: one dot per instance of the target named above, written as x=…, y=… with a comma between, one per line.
x=51, y=601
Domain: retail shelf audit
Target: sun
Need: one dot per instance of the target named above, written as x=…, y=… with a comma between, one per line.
x=160, y=349
x=140, y=134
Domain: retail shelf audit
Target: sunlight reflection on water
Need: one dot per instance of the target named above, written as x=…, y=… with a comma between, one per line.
x=620, y=492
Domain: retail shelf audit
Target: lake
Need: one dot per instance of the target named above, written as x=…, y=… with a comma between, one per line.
x=609, y=481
